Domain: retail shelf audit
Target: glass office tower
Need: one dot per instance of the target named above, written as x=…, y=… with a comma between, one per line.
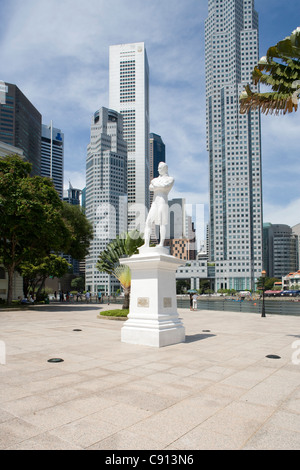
x=20, y=124
x=129, y=95
x=52, y=158
x=106, y=193
x=280, y=250
x=157, y=154
x=233, y=144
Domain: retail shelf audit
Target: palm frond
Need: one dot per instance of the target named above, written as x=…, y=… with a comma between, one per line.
x=124, y=245
x=283, y=77
x=123, y=274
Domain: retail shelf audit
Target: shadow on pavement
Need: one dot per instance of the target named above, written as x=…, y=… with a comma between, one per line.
x=63, y=307
x=197, y=337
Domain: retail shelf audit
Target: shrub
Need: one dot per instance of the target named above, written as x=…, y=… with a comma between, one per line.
x=115, y=313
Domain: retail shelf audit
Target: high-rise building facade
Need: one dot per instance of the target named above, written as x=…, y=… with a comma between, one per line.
x=129, y=95
x=157, y=154
x=20, y=124
x=233, y=144
x=72, y=195
x=280, y=250
x=180, y=235
x=52, y=156
x=6, y=149
x=296, y=231
x=106, y=192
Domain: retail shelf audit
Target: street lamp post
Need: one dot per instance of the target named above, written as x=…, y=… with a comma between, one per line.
x=263, y=275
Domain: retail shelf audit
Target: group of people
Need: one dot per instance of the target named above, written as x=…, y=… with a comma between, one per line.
x=67, y=296
x=26, y=300
x=88, y=297
x=62, y=296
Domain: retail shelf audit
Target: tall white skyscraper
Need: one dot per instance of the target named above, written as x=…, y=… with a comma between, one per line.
x=233, y=143
x=129, y=95
x=106, y=192
x=52, y=156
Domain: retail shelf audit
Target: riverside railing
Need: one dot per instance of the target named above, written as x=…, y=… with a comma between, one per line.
x=274, y=307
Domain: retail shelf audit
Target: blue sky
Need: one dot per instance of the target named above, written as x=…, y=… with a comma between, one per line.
x=57, y=53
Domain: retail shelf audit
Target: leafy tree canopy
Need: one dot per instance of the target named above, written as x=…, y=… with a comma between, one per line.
x=78, y=283
x=30, y=210
x=267, y=282
x=34, y=221
x=80, y=231
x=35, y=274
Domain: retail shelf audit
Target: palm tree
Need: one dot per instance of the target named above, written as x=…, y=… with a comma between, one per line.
x=283, y=75
x=123, y=246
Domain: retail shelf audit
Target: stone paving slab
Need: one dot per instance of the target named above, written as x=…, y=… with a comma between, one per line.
x=218, y=390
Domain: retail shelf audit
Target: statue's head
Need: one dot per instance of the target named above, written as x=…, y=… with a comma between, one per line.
x=163, y=168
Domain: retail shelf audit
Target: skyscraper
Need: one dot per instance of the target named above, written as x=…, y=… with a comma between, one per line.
x=233, y=144
x=6, y=149
x=72, y=195
x=20, y=124
x=157, y=154
x=106, y=192
x=280, y=250
x=129, y=95
x=52, y=157
x=180, y=232
x=296, y=231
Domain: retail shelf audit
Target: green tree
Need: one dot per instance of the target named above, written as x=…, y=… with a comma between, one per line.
x=35, y=275
x=123, y=246
x=268, y=282
x=30, y=212
x=78, y=283
x=204, y=285
x=280, y=70
x=34, y=221
x=76, y=244
x=182, y=285
x=80, y=231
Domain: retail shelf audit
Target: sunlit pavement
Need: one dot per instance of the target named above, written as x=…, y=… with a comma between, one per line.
x=218, y=390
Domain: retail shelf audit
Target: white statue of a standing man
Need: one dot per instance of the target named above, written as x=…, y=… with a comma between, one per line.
x=159, y=211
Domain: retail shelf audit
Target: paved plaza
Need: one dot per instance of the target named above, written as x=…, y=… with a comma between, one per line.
x=218, y=390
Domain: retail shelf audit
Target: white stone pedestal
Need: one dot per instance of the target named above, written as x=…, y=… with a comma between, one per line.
x=153, y=319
